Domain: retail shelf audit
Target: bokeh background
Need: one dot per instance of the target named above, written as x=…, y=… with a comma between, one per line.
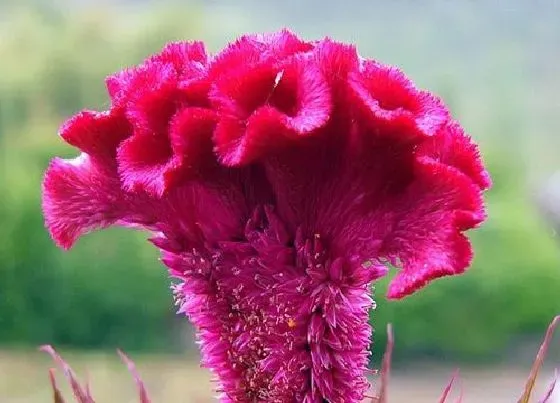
x=496, y=63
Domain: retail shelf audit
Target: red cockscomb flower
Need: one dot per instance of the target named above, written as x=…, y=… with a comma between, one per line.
x=279, y=178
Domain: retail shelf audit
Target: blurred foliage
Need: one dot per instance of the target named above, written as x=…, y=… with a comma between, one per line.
x=109, y=291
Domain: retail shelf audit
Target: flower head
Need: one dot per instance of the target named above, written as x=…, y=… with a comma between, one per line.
x=279, y=177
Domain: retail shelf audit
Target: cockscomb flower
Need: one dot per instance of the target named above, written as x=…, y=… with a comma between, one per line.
x=279, y=178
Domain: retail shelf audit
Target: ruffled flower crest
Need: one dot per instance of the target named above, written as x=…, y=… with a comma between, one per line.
x=279, y=177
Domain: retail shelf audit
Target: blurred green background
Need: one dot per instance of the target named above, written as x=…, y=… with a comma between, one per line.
x=495, y=63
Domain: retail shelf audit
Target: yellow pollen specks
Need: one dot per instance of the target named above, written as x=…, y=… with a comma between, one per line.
x=291, y=323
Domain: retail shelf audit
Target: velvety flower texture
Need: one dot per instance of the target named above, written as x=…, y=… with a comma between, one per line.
x=279, y=177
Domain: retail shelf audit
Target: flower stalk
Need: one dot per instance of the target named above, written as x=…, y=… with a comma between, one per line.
x=82, y=395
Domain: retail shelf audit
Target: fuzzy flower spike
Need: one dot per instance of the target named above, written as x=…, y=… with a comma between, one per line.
x=279, y=178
